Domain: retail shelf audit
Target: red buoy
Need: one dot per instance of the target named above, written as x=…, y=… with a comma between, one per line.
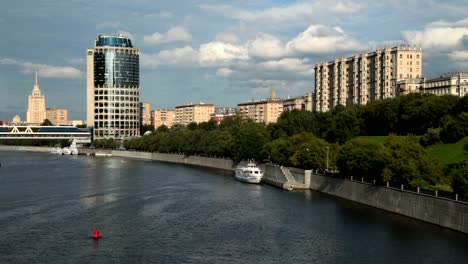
x=96, y=233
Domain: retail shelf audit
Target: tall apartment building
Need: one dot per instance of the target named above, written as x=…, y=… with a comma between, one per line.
x=162, y=117
x=262, y=111
x=113, y=87
x=145, y=112
x=198, y=113
x=36, y=106
x=365, y=77
x=58, y=117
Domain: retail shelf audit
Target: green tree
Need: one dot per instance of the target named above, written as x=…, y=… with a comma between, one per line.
x=363, y=158
x=454, y=129
x=162, y=128
x=409, y=164
x=145, y=128
x=278, y=151
x=431, y=137
x=311, y=154
x=47, y=123
x=460, y=181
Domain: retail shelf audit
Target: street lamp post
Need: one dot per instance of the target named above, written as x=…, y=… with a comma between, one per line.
x=328, y=148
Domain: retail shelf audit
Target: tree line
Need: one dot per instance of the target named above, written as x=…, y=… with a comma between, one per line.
x=315, y=140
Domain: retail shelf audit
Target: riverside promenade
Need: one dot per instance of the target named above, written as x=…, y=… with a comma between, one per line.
x=440, y=211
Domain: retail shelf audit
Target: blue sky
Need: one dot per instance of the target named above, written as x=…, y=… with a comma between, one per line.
x=222, y=52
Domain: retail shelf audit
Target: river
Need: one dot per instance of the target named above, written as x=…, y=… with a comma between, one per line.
x=151, y=212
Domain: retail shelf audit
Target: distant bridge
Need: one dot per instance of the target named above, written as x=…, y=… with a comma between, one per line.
x=82, y=136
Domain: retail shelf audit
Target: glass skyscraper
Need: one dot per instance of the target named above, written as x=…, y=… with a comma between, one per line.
x=113, y=88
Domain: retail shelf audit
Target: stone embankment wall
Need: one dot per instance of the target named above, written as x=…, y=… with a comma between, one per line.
x=225, y=164
x=24, y=148
x=439, y=211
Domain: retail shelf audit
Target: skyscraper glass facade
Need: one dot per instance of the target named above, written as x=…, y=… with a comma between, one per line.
x=113, y=65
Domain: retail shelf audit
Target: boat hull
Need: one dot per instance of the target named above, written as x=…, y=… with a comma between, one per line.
x=248, y=179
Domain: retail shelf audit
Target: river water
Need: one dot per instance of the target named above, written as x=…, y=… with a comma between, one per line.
x=150, y=212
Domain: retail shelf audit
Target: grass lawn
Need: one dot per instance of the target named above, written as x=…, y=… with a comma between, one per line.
x=448, y=153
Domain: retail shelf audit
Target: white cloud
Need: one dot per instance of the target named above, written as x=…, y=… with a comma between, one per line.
x=299, y=66
x=76, y=61
x=178, y=56
x=224, y=72
x=219, y=53
x=160, y=15
x=440, y=35
x=298, y=12
x=227, y=37
x=459, y=55
x=47, y=71
x=266, y=46
x=264, y=86
x=319, y=39
x=175, y=34
x=8, y=61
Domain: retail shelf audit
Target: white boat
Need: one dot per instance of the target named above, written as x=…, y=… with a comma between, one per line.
x=73, y=148
x=56, y=151
x=66, y=151
x=250, y=173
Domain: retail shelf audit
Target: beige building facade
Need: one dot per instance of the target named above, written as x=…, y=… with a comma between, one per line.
x=198, y=113
x=448, y=84
x=145, y=113
x=36, y=113
x=451, y=83
x=57, y=116
x=262, y=111
x=298, y=103
x=163, y=117
x=365, y=77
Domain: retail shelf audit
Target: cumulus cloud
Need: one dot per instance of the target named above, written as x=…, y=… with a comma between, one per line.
x=47, y=71
x=297, y=12
x=319, y=39
x=227, y=37
x=175, y=34
x=224, y=72
x=76, y=61
x=179, y=56
x=459, y=55
x=219, y=53
x=266, y=46
x=8, y=61
x=439, y=35
x=264, y=86
x=294, y=65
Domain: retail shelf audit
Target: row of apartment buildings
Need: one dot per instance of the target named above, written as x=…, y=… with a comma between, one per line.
x=384, y=73
x=261, y=111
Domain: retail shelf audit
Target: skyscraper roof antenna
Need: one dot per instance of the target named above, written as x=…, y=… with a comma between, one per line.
x=36, y=76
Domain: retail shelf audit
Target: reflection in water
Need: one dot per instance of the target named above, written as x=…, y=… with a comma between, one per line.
x=153, y=212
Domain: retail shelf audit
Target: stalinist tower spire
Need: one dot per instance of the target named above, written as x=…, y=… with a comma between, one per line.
x=36, y=105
